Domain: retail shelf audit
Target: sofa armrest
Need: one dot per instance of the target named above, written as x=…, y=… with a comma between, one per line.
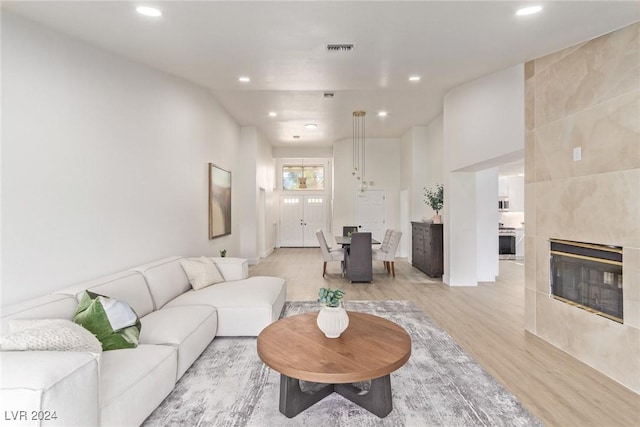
x=49, y=388
x=232, y=268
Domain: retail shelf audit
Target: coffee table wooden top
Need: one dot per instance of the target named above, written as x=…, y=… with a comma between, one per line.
x=371, y=347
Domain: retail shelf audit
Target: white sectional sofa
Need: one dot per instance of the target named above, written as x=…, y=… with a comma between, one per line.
x=122, y=387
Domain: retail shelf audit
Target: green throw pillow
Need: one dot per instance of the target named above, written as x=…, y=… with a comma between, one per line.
x=112, y=321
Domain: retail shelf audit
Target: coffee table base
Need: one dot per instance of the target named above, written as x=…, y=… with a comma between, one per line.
x=377, y=400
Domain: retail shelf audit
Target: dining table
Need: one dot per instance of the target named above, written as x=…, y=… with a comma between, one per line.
x=346, y=241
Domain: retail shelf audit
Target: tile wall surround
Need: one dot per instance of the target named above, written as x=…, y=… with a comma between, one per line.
x=585, y=96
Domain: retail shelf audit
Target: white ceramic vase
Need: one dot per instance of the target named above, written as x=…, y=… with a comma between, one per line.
x=333, y=321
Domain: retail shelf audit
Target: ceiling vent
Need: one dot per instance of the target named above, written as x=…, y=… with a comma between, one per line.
x=328, y=95
x=340, y=47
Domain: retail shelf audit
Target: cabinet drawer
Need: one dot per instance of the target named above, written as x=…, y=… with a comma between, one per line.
x=417, y=229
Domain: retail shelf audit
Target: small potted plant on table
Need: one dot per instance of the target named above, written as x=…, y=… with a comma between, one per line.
x=332, y=318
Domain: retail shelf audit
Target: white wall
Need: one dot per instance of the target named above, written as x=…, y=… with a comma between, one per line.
x=484, y=119
x=483, y=126
x=421, y=166
x=257, y=173
x=420, y=173
x=406, y=156
x=383, y=168
x=104, y=162
x=434, y=155
x=247, y=195
x=406, y=173
x=266, y=179
x=487, y=242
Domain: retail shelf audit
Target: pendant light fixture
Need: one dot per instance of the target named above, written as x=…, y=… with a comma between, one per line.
x=359, y=149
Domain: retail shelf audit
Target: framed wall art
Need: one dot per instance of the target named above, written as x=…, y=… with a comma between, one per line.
x=219, y=202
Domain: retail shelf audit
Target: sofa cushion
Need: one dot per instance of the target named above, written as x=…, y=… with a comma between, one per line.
x=53, y=381
x=232, y=268
x=49, y=335
x=202, y=272
x=46, y=307
x=190, y=329
x=129, y=286
x=133, y=382
x=166, y=279
x=113, y=322
x=244, y=307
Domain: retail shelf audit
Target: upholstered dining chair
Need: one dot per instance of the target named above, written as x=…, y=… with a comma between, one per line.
x=387, y=253
x=349, y=229
x=385, y=242
x=327, y=253
x=358, y=261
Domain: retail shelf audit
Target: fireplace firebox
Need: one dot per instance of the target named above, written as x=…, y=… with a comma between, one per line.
x=588, y=276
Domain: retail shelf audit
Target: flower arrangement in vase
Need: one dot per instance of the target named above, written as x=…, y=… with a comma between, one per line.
x=435, y=199
x=332, y=318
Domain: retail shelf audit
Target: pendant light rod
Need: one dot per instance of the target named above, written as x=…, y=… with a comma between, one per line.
x=359, y=147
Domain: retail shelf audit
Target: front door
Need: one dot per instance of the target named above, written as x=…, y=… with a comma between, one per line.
x=300, y=217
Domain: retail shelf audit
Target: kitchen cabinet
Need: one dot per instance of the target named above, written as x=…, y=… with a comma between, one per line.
x=427, y=248
x=519, y=243
x=503, y=187
x=516, y=193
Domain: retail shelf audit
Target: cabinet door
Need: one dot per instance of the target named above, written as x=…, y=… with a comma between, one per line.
x=428, y=252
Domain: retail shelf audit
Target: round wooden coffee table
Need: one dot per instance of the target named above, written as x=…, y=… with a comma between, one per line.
x=370, y=349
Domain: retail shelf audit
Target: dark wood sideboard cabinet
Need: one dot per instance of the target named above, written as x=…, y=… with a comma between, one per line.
x=426, y=254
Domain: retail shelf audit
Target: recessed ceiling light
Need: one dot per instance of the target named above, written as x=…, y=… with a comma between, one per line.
x=148, y=11
x=244, y=79
x=528, y=10
x=311, y=126
x=272, y=114
x=414, y=78
x=382, y=114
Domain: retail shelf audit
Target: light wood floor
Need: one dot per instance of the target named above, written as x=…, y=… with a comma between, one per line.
x=487, y=322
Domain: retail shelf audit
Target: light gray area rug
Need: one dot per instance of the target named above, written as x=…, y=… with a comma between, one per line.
x=439, y=386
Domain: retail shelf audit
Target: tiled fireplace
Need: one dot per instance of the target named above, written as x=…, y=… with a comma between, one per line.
x=588, y=276
x=586, y=99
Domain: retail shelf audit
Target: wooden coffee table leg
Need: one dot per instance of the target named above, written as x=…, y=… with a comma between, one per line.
x=293, y=400
x=377, y=400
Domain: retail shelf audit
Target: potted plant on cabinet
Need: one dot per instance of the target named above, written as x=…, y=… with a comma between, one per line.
x=332, y=318
x=435, y=199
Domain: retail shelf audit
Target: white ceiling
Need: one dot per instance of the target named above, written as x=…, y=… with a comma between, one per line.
x=281, y=46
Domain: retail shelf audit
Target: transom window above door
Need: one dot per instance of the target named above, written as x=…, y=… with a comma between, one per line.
x=295, y=178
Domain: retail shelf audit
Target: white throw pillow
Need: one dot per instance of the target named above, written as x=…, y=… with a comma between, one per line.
x=202, y=272
x=49, y=335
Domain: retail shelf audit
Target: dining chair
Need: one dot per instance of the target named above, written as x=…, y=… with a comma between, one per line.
x=328, y=254
x=349, y=229
x=358, y=261
x=385, y=242
x=387, y=254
